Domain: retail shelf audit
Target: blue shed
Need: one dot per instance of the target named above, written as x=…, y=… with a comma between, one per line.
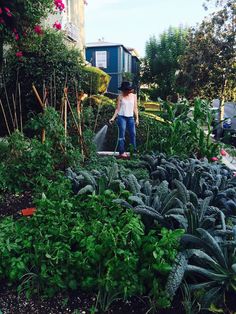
x=114, y=59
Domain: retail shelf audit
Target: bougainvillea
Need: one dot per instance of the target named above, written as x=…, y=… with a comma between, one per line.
x=57, y=25
x=38, y=29
x=19, y=18
x=59, y=5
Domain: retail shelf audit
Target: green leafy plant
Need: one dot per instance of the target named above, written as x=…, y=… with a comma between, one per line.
x=158, y=257
x=25, y=160
x=85, y=242
x=96, y=181
x=208, y=264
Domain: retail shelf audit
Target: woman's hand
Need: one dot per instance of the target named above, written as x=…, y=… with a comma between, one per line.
x=137, y=122
x=111, y=120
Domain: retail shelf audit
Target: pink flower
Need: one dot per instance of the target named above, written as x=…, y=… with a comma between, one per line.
x=59, y=5
x=17, y=37
x=38, y=29
x=214, y=159
x=0, y=10
x=57, y=25
x=2, y=20
x=223, y=152
x=19, y=54
x=8, y=11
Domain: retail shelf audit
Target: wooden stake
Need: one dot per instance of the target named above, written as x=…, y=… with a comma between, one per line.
x=45, y=97
x=55, y=89
x=65, y=111
x=51, y=94
x=96, y=119
x=43, y=92
x=81, y=141
x=15, y=113
x=73, y=116
x=62, y=107
x=8, y=105
x=38, y=97
x=21, y=120
x=43, y=135
x=5, y=118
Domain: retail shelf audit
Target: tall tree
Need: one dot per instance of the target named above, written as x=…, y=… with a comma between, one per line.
x=208, y=66
x=161, y=62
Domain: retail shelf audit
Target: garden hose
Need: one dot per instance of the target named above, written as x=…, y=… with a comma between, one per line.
x=117, y=141
x=118, y=134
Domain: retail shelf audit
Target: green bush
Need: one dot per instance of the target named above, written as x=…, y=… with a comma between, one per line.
x=95, y=81
x=25, y=160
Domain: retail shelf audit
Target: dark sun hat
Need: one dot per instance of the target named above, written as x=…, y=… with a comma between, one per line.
x=126, y=86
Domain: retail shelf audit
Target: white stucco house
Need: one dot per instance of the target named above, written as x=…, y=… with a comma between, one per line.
x=72, y=22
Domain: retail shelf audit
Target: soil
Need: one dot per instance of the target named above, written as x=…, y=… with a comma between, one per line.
x=64, y=303
x=12, y=204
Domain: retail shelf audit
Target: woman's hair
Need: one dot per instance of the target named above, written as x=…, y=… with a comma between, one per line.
x=127, y=92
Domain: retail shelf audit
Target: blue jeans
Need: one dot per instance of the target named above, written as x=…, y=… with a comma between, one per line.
x=122, y=122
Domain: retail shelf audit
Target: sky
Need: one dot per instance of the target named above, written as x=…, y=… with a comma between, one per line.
x=132, y=22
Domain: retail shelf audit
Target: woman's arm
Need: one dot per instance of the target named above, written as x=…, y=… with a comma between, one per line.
x=136, y=110
x=116, y=111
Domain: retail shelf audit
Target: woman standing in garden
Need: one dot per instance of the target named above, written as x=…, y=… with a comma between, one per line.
x=127, y=112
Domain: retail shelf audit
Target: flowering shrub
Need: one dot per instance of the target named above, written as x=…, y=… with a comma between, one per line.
x=19, y=54
x=44, y=59
x=38, y=29
x=57, y=25
x=59, y=5
x=18, y=18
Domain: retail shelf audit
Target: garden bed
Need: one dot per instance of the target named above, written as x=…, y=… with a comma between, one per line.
x=72, y=302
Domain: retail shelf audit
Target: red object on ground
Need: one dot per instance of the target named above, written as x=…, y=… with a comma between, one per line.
x=223, y=152
x=28, y=211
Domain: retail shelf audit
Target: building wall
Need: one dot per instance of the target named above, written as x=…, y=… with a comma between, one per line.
x=119, y=61
x=112, y=68
x=72, y=21
x=77, y=18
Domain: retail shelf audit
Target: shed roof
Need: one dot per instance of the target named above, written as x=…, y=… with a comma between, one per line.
x=102, y=43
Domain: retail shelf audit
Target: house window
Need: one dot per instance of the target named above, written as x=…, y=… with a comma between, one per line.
x=126, y=62
x=101, y=59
